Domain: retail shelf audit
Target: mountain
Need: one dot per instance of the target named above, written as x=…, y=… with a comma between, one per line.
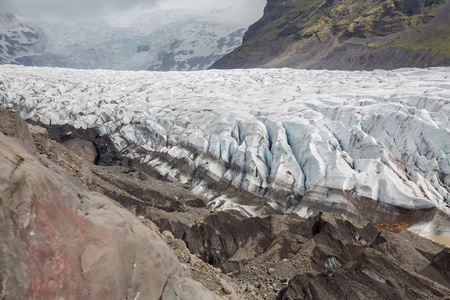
x=197, y=47
x=346, y=35
x=162, y=40
x=368, y=145
x=18, y=39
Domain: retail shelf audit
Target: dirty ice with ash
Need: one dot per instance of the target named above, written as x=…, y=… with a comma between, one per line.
x=368, y=144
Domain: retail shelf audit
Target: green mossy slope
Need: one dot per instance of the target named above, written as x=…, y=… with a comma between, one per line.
x=413, y=25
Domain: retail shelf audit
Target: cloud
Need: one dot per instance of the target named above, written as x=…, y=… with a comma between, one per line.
x=238, y=11
x=75, y=10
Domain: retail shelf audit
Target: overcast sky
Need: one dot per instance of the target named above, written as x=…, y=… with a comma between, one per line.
x=72, y=10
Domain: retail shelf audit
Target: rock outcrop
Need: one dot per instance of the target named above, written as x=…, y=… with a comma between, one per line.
x=229, y=241
x=359, y=262
x=350, y=35
x=326, y=257
x=60, y=241
x=13, y=125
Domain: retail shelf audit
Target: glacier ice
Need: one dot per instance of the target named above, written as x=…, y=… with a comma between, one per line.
x=267, y=140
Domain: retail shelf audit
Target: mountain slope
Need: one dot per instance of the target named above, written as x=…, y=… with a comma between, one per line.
x=347, y=35
x=18, y=39
x=198, y=46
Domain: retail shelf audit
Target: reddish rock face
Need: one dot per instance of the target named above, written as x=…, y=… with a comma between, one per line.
x=53, y=261
x=40, y=226
x=58, y=241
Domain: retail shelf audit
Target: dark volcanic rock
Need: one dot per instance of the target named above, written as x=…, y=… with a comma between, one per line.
x=371, y=276
x=338, y=241
x=229, y=241
x=133, y=188
x=176, y=222
x=439, y=269
x=81, y=141
x=360, y=262
x=326, y=257
x=59, y=241
x=407, y=248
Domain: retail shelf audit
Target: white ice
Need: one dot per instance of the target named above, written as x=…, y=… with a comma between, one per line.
x=282, y=135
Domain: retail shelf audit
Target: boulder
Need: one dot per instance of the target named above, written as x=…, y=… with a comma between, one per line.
x=83, y=148
x=13, y=125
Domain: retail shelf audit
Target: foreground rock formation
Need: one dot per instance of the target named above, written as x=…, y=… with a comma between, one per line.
x=60, y=241
x=346, y=35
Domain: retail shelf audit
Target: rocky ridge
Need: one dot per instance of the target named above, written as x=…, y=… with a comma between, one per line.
x=346, y=35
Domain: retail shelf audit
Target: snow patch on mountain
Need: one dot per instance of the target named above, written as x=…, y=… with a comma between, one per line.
x=18, y=39
x=198, y=47
x=156, y=41
x=371, y=144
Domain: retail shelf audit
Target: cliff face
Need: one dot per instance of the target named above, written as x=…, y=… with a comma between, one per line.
x=346, y=35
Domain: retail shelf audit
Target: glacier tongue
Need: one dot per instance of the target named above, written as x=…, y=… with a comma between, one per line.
x=370, y=144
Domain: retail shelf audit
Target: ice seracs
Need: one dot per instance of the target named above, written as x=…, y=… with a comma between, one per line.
x=371, y=145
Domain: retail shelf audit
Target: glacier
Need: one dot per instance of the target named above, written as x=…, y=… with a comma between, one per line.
x=369, y=145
